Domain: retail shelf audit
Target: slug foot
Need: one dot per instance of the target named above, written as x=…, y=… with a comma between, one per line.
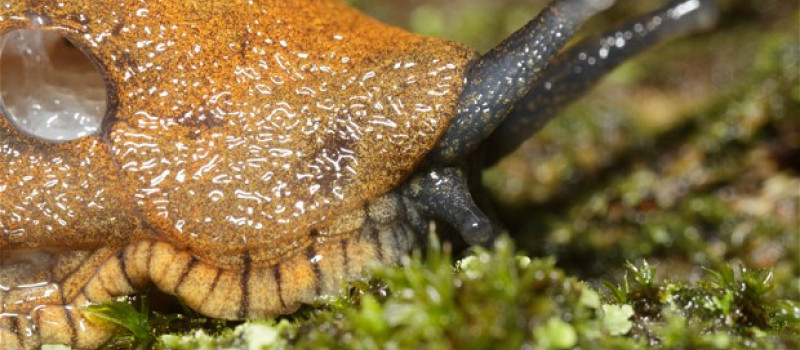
x=44, y=292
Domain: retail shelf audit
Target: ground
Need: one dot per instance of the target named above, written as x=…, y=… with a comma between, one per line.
x=662, y=209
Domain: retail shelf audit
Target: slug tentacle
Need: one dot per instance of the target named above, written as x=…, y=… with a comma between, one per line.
x=444, y=195
x=577, y=69
x=502, y=76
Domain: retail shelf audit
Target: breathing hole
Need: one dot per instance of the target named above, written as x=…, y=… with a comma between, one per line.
x=48, y=87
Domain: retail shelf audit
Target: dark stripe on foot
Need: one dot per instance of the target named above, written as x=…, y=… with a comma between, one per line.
x=73, y=328
x=311, y=255
x=372, y=232
x=150, y=259
x=212, y=286
x=122, y=267
x=376, y=238
x=186, y=269
x=77, y=267
x=276, y=273
x=345, y=256
x=244, y=281
x=15, y=329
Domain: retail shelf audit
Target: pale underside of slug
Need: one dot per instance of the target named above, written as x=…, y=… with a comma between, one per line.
x=245, y=162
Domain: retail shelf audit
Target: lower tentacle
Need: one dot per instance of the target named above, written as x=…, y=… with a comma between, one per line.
x=444, y=195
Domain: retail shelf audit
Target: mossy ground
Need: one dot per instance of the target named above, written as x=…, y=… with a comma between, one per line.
x=496, y=297
x=662, y=210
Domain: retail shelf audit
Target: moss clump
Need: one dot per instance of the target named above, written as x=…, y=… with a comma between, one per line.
x=731, y=306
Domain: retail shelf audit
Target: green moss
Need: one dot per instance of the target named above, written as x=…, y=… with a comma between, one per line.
x=555, y=334
x=123, y=314
x=616, y=319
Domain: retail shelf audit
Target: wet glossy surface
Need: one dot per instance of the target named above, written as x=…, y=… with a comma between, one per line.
x=49, y=88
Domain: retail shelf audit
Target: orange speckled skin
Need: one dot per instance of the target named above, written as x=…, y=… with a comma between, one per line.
x=234, y=125
x=239, y=134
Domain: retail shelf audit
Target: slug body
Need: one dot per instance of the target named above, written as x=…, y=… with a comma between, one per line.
x=252, y=155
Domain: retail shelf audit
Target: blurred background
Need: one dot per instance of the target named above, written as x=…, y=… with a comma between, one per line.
x=687, y=156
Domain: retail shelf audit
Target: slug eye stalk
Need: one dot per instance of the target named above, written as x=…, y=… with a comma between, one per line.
x=515, y=87
x=503, y=75
x=577, y=69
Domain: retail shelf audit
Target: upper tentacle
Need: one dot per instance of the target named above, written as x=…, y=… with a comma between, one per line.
x=504, y=75
x=577, y=69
